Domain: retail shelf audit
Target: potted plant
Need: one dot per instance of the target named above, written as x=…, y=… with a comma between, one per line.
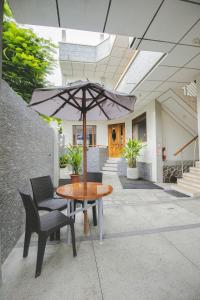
x=130, y=152
x=74, y=160
x=63, y=161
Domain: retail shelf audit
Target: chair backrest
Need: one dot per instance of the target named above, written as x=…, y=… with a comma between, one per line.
x=94, y=177
x=32, y=216
x=42, y=188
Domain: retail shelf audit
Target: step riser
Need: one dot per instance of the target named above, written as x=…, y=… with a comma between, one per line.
x=189, y=188
x=197, y=164
x=184, y=191
x=189, y=183
x=192, y=179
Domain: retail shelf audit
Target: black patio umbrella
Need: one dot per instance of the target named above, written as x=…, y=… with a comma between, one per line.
x=81, y=101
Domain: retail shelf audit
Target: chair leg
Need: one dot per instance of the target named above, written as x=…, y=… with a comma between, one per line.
x=42, y=239
x=94, y=212
x=57, y=233
x=74, y=217
x=27, y=239
x=73, y=239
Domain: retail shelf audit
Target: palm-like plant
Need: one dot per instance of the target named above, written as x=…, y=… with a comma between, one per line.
x=131, y=151
x=74, y=158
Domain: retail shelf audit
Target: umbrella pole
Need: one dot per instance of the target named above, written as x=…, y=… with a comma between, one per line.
x=86, y=223
x=84, y=148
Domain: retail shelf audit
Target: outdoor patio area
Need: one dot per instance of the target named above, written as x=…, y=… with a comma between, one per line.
x=150, y=250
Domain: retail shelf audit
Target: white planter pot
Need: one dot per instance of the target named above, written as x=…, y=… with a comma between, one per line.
x=132, y=173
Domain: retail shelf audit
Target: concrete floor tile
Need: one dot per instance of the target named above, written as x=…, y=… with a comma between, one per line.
x=145, y=267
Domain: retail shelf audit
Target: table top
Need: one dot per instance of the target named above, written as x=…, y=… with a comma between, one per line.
x=84, y=191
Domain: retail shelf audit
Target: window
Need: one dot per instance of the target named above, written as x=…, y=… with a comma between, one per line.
x=139, y=128
x=78, y=135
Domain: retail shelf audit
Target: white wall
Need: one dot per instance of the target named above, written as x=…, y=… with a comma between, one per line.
x=175, y=136
x=101, y=127
x=162, y=131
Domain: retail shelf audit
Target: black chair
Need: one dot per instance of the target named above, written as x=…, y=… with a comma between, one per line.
x=43, y=226
x=91, y=177
x=43, y=196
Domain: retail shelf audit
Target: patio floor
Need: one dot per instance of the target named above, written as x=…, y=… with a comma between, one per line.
x=151, y=251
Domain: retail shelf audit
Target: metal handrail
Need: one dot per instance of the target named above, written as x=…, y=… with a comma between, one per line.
x=180, y=151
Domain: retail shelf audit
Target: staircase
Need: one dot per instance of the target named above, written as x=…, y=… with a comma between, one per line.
x=110, y=165
x=190, y=183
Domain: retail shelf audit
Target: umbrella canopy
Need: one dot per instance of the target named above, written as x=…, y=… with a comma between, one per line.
x=81, y=100
x=67, y=102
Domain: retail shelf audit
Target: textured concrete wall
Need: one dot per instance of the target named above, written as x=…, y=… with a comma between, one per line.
x=144, y=169
x=96, y=157
x=26, y=150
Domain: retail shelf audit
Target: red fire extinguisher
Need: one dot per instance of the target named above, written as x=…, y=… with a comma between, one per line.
x=164, y=155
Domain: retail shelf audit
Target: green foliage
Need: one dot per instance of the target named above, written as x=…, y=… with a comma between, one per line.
x=131, y=151
x=7, y=11
x=74, y=158
x=63, y=160
x=27, y=59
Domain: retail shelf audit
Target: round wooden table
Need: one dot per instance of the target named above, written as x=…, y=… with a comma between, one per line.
x=86, y=192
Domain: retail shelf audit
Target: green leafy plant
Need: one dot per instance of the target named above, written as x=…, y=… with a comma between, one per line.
x=131, y=151
x=74, y=158
x=26, y=59
x=63, y=160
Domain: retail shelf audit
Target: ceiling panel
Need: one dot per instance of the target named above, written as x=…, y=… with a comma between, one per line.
x=90, y=67
x=162, y=73
x=101, y=68
x=155, y=46
x=111, y=68
x=186, y=75
x=121, y=41
x=130, y=17
x=114, y=61
x=173, y=20
x=77, y=66
x=180, y=55
x=117, y=51
x=195, y=63
x=194, y=33
x=27, y=12
x=83, y=15
x=171, y=85
x=149, y=85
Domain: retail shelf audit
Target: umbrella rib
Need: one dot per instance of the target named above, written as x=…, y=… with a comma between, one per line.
x=74, y=100
x=50, y=98
x=94, y=98
x=119, y=104
x=66, y=102
x=103, y=111
x=94, y=89
x=96, y=103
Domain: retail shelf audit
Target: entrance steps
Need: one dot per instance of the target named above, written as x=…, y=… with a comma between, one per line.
x=110, y=165
x=190, y=183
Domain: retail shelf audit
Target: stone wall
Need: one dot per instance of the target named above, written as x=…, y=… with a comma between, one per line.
x=173, y=170
x=26, y=150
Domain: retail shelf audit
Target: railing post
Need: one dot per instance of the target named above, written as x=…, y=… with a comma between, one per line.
x=182, y=167
x=194, y=154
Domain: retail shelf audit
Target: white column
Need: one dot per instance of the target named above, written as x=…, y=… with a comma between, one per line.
x=198, y=111
x=159, y=142
x=56, y=168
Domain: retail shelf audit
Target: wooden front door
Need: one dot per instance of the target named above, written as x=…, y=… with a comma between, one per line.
x=116, y=139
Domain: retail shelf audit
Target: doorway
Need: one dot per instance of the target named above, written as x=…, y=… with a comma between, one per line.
x=116, y=139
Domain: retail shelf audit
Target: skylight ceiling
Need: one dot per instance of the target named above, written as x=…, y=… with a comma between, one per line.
x=142, y=64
